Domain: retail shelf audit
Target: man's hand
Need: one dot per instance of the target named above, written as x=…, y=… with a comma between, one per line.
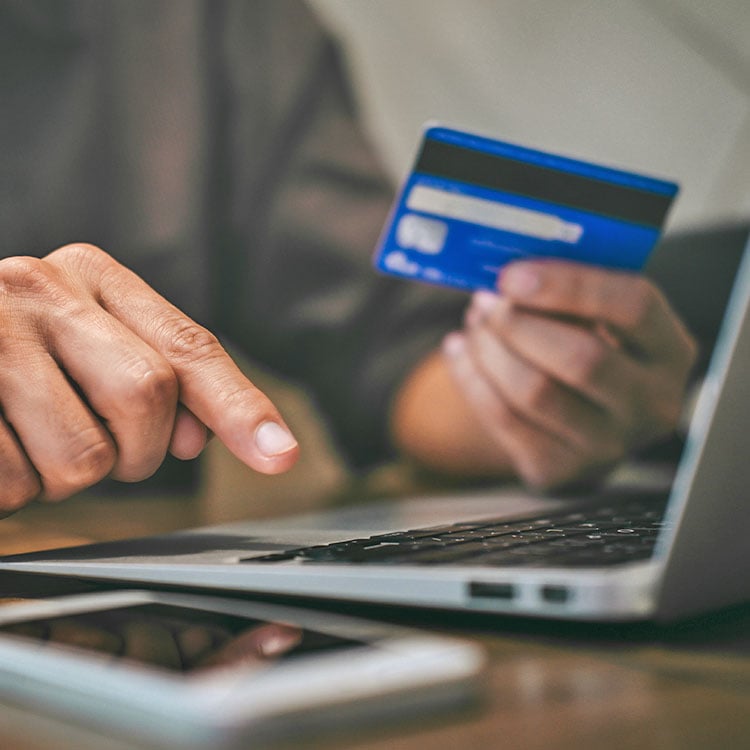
x=568, y=370
x=101, y=376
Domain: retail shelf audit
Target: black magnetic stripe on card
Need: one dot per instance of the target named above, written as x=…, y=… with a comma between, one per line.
x=495, y=172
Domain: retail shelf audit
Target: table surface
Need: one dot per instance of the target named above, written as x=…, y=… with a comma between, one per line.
x=548, y=685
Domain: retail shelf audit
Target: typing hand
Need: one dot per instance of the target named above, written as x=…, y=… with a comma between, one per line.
x=100, y=376
x=571, y=368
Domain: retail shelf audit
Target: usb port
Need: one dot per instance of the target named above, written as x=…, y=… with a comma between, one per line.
x=490, y=590
x=555, y=594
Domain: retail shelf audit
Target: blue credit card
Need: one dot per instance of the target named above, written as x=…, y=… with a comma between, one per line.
x=471, y=204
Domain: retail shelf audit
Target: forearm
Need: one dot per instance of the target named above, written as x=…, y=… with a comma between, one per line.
x=433, y=425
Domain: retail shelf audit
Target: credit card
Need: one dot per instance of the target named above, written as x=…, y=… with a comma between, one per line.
x=471, y=204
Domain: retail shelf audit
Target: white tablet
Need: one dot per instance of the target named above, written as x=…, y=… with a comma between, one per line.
x=198, y=671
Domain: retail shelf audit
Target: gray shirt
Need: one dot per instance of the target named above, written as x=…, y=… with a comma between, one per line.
x=212, y=146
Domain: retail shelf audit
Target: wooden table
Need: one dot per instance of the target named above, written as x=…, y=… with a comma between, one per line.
x=548, y=685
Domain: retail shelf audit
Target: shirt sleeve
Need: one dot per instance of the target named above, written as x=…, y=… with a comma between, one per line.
x=307, y=200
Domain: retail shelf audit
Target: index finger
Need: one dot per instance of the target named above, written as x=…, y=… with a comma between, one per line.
x=631, y=304
x=210, y=384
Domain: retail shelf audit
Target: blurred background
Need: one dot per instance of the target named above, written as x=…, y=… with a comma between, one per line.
x=661, y=86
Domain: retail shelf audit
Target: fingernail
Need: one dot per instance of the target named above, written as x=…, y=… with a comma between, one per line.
x=453, y=343
x=520, y=280
x=272, y=439
x=484, y=302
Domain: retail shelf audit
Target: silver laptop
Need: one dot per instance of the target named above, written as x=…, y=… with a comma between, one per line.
x=634, y=551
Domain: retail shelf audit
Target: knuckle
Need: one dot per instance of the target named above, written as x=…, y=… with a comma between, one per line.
x=536, y=391
x=503, y=317
x=25, y=275
x=91, y=458
x=93, y=461
x=147, y=386
x=84, y=263
x=80, y=254
x=245, y=399
x=184, y=340
x=588, y=357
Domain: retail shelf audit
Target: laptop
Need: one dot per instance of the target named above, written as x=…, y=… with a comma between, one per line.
x=635, y=550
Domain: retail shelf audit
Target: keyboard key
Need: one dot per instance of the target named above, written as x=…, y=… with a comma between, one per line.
x=596, y=536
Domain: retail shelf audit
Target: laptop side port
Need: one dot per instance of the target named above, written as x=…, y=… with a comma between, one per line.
x=555, y=594
x=491, y=590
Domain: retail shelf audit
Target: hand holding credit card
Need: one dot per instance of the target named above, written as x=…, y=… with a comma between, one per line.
x=471, y=204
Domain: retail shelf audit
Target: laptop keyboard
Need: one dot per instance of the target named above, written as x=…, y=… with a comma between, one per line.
x=579, y=538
